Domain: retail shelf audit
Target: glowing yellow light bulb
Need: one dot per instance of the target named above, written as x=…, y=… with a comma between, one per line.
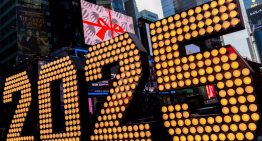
x=255, y=116
x=240, y=136
x=210, y=29
x=198, y=9
x=226, y=24
x=245, y=71
x=224, y=102
x=249, y=89
x=218, y=27
x=205, y=7
x=223, y=9
x=252, y=126
x=231, y=6
x=249, y=136
x=192, y=19
x=251, y=98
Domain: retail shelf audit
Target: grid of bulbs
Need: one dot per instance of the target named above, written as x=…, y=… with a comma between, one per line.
x=61, y=69
x=209, y=18
x=239, y=109
x=121, y=49
x=168, y=33
x=15, y=83
x=238, y=122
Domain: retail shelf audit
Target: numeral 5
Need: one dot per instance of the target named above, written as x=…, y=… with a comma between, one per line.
x=223, y=67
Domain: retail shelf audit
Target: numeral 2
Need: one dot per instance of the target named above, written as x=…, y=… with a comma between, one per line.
x=128, y=54
x=19, y=82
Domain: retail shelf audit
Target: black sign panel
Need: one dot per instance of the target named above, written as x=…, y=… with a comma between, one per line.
x=255, y=14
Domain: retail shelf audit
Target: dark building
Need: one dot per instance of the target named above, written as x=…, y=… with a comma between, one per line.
x=168, y=7
x=252, y=3
x=9, y=12
x=116, y=5
x=8, y=37
x=181, y=5
x=254, y=14
x=65, y=23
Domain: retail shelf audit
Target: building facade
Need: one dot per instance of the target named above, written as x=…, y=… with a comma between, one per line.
x=181, y=5
x=116, y=5
x=252, y=3
x=8, y=35
x=149, y=15
x=168, y=7
x=15, y=21
x=254, y=14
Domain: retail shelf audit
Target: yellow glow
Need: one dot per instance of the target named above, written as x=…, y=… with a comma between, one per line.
x=240, y=136
x=210, y=29
x=194, y=33
x=218, y=27
x=245, y=71
x=223, y=9
x=224, y=102
x=231, y=6
x=251, y=98
x=226, y=24
x=235, y=21
x=198, y=9
x=193, y=26
x=199, y=17
x=213, y=4
x=207, y=14
x=255, y=116
x=252, y=126
x=205, y=7
x=233, y=14
x=208, y=22
x=217, y=69
x=249, y=136
x=177, y=17
x=221, y=2
x=242, y=126
x=249, y=89
x=253, y=107
x=192, y=19
x=201, y=24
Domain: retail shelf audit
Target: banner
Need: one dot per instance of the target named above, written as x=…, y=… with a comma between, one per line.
x=101, y=24
x=32, y=32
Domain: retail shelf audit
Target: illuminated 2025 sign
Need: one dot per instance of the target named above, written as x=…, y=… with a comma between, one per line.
x=223, y=67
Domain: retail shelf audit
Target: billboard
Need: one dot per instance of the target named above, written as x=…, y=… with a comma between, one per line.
x=32, y=32
x=101, y=24
x=258, y=38
x=255, y=14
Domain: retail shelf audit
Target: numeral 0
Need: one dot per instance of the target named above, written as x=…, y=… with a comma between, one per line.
x=61, y=69
x=223, y=67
